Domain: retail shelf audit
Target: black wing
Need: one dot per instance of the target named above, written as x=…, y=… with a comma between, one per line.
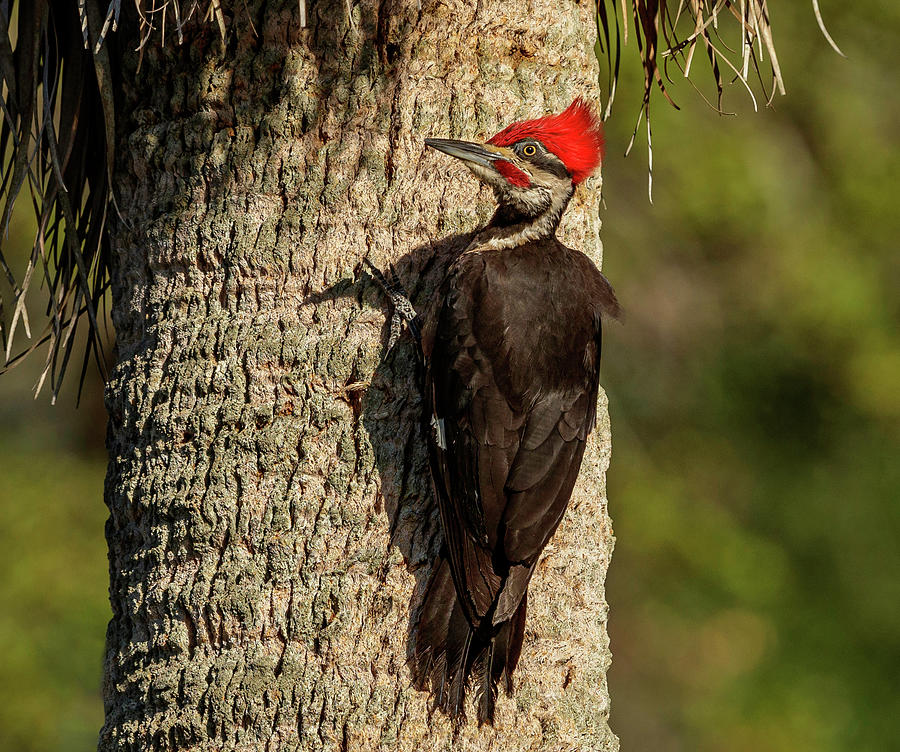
x=504, y=463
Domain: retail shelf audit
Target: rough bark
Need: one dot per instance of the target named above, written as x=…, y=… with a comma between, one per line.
x=271, y=522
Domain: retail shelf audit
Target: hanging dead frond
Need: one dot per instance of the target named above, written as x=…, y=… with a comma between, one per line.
x=57, y=146
x=56, y=140
x=672, y=33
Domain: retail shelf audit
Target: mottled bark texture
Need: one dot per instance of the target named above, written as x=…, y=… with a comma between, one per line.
x=271, y=520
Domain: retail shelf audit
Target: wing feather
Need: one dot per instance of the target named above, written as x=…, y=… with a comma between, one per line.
x=511, y=457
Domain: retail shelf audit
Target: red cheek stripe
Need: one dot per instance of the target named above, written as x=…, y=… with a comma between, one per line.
x=513, y=174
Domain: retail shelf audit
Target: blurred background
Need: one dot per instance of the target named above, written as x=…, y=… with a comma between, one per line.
x=754, y=388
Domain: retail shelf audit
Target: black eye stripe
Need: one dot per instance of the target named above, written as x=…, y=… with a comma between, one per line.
x=536, y=153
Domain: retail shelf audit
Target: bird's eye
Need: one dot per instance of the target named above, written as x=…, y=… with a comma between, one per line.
x=529, y=150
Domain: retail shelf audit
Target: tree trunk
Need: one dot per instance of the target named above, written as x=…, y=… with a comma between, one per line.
x=271, y=519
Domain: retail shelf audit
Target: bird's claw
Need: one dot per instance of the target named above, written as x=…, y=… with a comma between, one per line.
x=403, y=308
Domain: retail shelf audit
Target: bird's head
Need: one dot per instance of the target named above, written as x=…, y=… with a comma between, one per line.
x=534, y=165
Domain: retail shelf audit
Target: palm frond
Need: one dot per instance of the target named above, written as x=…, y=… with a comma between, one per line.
x=668, y=33
x=56, y=139
x=673, y=35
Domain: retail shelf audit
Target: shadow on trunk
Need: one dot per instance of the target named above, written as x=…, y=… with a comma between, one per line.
x=394, y=399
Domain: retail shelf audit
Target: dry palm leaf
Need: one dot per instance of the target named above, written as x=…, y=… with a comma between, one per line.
x=671, y=33
x=58, y=116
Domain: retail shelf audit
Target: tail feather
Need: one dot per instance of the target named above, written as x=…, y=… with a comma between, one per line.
x=460, y=675
x=447, y=648
x=514, y=633
x=488, y=688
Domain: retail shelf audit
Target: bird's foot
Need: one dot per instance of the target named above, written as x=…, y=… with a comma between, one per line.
x=403, y=308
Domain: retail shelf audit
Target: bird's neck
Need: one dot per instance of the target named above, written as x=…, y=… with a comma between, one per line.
x=511, y=227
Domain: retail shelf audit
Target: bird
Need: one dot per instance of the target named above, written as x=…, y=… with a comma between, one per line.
x=511, y=360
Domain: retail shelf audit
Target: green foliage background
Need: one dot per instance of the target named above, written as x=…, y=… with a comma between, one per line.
x=755, y=396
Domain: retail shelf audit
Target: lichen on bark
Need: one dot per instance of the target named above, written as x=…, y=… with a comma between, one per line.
x=271, y=522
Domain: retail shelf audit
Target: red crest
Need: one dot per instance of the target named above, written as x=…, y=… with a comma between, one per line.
x=575, y=136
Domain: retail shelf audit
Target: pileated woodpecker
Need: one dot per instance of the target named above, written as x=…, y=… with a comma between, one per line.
x=512, y=361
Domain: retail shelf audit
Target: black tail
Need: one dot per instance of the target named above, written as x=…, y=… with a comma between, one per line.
x=447, y=648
